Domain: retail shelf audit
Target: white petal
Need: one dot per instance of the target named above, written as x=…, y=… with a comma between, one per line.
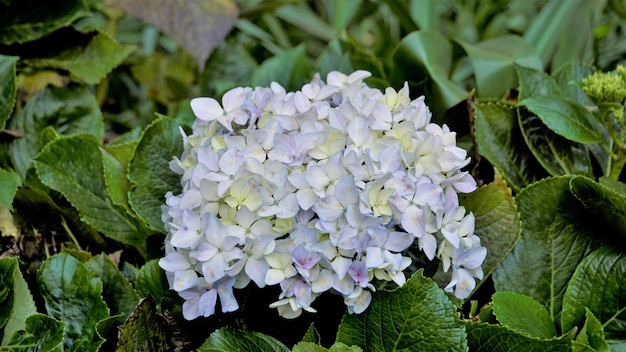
x=413, y=221
x=206, y=303
x=174, y=261
x=274, y=276
x=206, y=109
x=184, y=279
x=341, y=265
x=472, y=258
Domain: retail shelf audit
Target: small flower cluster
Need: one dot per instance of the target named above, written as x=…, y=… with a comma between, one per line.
x=323, y=189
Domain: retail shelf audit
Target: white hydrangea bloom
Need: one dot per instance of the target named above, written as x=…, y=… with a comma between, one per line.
x=323, y=189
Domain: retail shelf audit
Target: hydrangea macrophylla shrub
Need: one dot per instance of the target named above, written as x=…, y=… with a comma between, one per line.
x=317, y=190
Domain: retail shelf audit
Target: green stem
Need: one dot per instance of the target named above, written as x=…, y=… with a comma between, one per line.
x=617, y=166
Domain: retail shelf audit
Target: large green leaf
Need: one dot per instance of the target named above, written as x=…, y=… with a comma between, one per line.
x=493, y=61
x=89, y=63
x=73, y=294
x=431, y=52
x=18, y=302
x=70, y=110
x=116, y=159
x=198, y=26
x=499, y=140
x=118, y=293
x=149, y=170
x=599, y=284
x=151, y=281
x=603, y=204
x=415, y=317
x=73, y=166
x=312, y=347
x=41, y=333
x=8, y=266
x=591, y=336
x=231, y=65
x=28, y=20
x=144, y=330
x=290, y=69
x=8, y=92
x=546, y=32
x=9, y=182
x=497, y=220
x=523, y=314
x=533, y=83
x=228, y=339
x=568, y=78
x=557, y=233
x=558, y=155
x=566, y=118
x=483, y=337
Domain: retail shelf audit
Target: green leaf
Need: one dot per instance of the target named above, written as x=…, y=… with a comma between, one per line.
x=70, y=110
x=228, y=339
x=558, y=155
x=151, y=281
x=312, y=347
x=28, y=20
x=616, y=186
x=604, y=205
x=118, y=293
x=290, y=68
x=90, y=62
x=499, y=140
x=116, y=176
x=73, y=166
x=231, y=65
x=8, y=267
x=497, y=220
x=493, y=62
x=592, y=334
x=8, y=92
x=333, y=58
x=144, y=330
x=545, y=32
x=523, y=314
x=303, y=17
x=417, y=316
x=41, y=334
x=149, y=170
x=483, y=337
x=198, y=26
x=567, y=118
x=557, y=233
x=534, y=83
x=431, y=52
x=21, y=305
x=569, y=77
x=9, y=182
x=598, y=284
x=72, y=294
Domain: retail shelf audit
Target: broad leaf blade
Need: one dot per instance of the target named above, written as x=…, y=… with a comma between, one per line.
x=149, y=170
x=557, y=234
x=8, y=92
x=534, y=82
x=592, y=334
x=558, y=155
x=493, y=61
x=8, y=267
x=566, y=118
x=417, y=316
x=89, y=63
x=21, y=305
x=569, y=76
x=118, y=293
x=523, y=314
x=9, y=182
x=603, y=204
x=40, y=334
x=69, y=110
x=73, y=294
x=483, y=337
x=151, y=281
x=431, y=52
x=501, y=142
x=73, y=167
x=598, y=284
x=28, y=20
x=227, y=339
x=144, y=330
x=198, y=26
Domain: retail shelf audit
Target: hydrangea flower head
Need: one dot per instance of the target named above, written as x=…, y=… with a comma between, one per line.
x=323, y=189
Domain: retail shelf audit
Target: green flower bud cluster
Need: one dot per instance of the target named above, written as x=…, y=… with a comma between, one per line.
x=606, y=87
